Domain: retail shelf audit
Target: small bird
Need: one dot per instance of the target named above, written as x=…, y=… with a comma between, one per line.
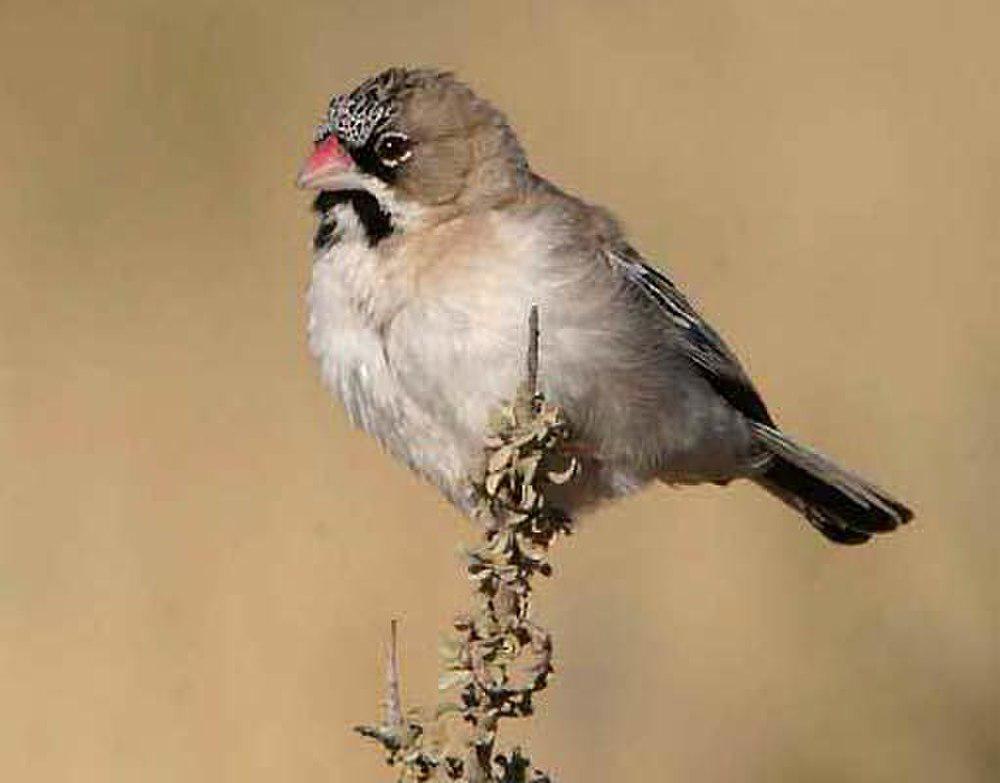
x=434, y=240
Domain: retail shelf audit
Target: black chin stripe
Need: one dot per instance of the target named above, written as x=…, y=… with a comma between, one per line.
x=375, y=221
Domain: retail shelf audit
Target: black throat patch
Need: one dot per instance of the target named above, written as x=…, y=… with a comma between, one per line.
x=375, y=221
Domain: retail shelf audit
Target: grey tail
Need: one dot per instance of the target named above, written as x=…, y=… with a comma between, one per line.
x=839, y=504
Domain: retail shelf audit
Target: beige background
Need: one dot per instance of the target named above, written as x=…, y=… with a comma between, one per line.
x=198, y=559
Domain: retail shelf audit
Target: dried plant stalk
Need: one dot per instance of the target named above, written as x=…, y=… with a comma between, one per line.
x=496, y=658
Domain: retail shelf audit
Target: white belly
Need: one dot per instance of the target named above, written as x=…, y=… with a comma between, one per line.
x=354, y=366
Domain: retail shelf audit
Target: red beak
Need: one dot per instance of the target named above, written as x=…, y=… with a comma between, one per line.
x=327, y=162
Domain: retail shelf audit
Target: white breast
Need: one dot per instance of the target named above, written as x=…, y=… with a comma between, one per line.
x=348, y=302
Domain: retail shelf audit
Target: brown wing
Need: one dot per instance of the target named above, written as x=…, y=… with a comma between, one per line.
x=699, y=341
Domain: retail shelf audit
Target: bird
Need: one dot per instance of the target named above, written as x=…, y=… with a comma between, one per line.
x=434, y=239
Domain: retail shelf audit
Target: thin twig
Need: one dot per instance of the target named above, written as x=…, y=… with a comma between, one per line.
x=532, y=376
x=393, y=701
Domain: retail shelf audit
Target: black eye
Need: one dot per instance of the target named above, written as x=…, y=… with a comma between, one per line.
x=393, y=149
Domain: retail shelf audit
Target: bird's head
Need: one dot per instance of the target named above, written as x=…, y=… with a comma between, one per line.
x=417, y=140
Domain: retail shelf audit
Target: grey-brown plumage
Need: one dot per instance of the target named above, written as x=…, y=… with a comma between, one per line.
x=434, y=240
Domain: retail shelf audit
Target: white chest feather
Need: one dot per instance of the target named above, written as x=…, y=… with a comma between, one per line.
x=351, y=303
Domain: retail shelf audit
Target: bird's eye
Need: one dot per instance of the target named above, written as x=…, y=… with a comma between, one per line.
x=393, y=149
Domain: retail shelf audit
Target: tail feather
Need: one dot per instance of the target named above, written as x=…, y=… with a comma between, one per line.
x=843, y=506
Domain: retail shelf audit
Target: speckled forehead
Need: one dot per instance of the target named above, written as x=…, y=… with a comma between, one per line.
x=354, y=116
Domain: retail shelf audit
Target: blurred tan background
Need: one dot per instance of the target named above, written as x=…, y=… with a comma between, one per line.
x=199, y=559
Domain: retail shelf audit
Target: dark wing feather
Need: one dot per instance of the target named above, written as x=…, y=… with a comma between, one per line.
x=699, y=341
